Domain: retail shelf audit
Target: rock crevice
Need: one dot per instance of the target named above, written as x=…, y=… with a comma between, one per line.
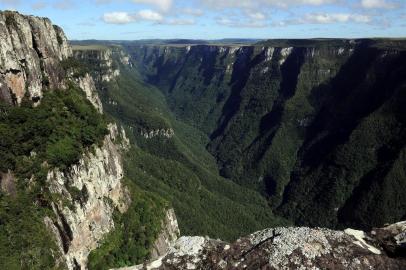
x=288, y=248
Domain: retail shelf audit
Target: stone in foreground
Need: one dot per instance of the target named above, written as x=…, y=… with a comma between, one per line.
x=291, y=248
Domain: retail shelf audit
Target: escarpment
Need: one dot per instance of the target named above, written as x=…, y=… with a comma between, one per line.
x=308, y=123
x=309, y=132
x=31, y=50
x=101, y=60
x=62, y=171
x=90, y=192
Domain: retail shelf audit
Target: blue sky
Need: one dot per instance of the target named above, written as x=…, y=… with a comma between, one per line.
x=214, y=19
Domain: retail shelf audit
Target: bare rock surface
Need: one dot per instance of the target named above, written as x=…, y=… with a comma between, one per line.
x=89, y=192
x=168, y=235
x=86, y=83
x=103, y=58
x=31, y=49
x=290, y=248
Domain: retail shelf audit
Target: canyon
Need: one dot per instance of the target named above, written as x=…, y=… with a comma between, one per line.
x=115, y=151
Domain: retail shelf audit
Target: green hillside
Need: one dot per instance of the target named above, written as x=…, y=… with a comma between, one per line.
x=180, y=169
x=316, y=125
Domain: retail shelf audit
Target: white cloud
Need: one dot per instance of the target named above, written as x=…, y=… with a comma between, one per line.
x=377, y=4
x=10, y=2
x=163, y=5
x=99, y=2
x=38, y=5
x=180, y=21
x=148, y=15
x=325, y=18
x=235, y=22
x=118, y=18
x=125, y=17
x=192, y=11
x=63, y=4
x=256, y=15
x=315, y=2
x=258, y=4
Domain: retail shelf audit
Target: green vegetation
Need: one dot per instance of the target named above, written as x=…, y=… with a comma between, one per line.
x=32, y=141
x=179, y=169
x=57, y=131
x=89, y=47
x=25, y=243
x=76, y=67
x=320, y=139
x=135, y=232
x=297, y=132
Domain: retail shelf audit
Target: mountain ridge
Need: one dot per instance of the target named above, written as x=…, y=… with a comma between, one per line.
x=259, y=105
x=100, y=143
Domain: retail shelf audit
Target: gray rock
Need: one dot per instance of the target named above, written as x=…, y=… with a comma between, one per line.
x=168, y=235
x=286, y=248
x=31, y=49
x=81, y=226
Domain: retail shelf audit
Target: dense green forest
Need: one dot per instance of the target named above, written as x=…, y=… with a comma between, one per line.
x=243, y=138
x=136, y=230
x=34, y=140
x=179, y=168
x=312, y=133
x=316, y=126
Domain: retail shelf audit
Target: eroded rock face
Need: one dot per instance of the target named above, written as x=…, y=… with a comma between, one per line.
x=165, y=133
x=87, y=84
x=289, y=248
x=88, y=194
x=31, y=49
x=8, y=183
x=103, y=58
x=167, y=237
x=392, y=238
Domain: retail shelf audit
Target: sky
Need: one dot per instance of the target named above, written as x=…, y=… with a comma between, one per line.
x=216, y=19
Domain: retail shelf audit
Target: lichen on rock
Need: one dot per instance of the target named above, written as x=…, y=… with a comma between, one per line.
x=30, y=52
x=83, y=219
x=286, y=248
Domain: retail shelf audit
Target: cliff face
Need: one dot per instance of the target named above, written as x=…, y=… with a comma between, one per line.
x=310, y=124
x=82, y=197
x=200, y=81
x=167, y=237
x=90, y=192
x=87, y=193
x=102, y=61
x=31, y=49
x=87, y=84
x=290, y=248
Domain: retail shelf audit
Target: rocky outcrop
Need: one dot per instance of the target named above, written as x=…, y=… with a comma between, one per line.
x=102, y=60
x=290, y=248
x=31, y=49
x=88, y=192
x=86, y=83
x=164, y=133
x=8, y=183
x=168, y=235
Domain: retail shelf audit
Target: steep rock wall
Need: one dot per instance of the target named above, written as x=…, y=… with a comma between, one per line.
x=289, y=118
x=84, y=196
x=101, y=60
x=89, y=193
x=31, y=49
x=168, y=235
x=87, y=84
